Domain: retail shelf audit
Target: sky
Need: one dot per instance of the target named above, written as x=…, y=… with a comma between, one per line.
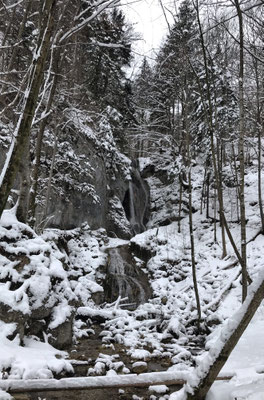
x=149, y=21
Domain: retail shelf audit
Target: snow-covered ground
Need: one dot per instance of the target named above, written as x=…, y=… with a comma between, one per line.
x=246, y=364
x=163, y=328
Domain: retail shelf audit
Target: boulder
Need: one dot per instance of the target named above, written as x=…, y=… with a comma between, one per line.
x=8, y=315
x=61, y=336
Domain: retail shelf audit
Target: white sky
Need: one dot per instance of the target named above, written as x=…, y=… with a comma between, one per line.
x=148, y=19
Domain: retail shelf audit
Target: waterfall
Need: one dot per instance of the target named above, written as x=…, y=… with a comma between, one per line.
x=136, y=202
x=125, y=279
x=145, y=199
x=132, y=213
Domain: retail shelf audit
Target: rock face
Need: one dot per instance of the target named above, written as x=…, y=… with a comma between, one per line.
x=100, y=188
x=34, y=285
x=8, y=315
x=61, y=336
x=88, y=185
x=163, y=178
x=91, y=181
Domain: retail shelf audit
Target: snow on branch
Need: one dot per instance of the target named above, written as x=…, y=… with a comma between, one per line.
x=101, y=7
x=109, y=45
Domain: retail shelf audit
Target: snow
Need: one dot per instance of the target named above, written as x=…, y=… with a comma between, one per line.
x=34, y=360
x=5, y=396
x=244, y=363
x=159, y=389
x=60, y=314
x=98, y=381
x=140, y=354
x=164, y=327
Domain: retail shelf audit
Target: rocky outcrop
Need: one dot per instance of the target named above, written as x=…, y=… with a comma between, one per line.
x=61, y=336
x=89, y=183
x=33, y=284
x=162, y=177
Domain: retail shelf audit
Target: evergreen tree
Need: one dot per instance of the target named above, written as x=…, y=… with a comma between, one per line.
x=173, y=72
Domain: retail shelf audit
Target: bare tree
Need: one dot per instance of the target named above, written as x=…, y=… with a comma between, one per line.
x=39, y=81
x=23, y=127
x=241, y=152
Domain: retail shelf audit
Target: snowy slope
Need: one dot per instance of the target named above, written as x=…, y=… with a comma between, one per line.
x=165, y=327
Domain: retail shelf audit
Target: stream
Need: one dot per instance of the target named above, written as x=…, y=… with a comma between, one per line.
x=125, y=279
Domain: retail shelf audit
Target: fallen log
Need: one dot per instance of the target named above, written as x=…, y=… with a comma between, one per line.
x=98, y=382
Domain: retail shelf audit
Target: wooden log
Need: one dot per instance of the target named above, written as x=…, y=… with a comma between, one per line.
x=98, y=382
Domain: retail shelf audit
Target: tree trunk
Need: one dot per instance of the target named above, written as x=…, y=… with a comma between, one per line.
x=43, y=221
x=43, y=123
x=189, y=165
x=22, y=207
x=23, y=128
x=203, y=191
x=207, y=194
x=180, y=208
x=220, y=167
x=241, y=319
x=241, y=153
x=259, y=129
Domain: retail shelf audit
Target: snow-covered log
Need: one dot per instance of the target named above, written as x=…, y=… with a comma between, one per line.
x=99, y=382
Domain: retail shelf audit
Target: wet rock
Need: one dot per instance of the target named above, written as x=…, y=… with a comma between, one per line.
x=8, y=315
x=139, y=367
x=61, y=336
x=41, y=312
x=98, y=297
x=87, y=197
x=36, y=327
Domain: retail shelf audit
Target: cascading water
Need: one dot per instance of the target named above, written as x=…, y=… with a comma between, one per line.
x=144, y=199
x=125, y=279
x=132, y=219
x=136, y=202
